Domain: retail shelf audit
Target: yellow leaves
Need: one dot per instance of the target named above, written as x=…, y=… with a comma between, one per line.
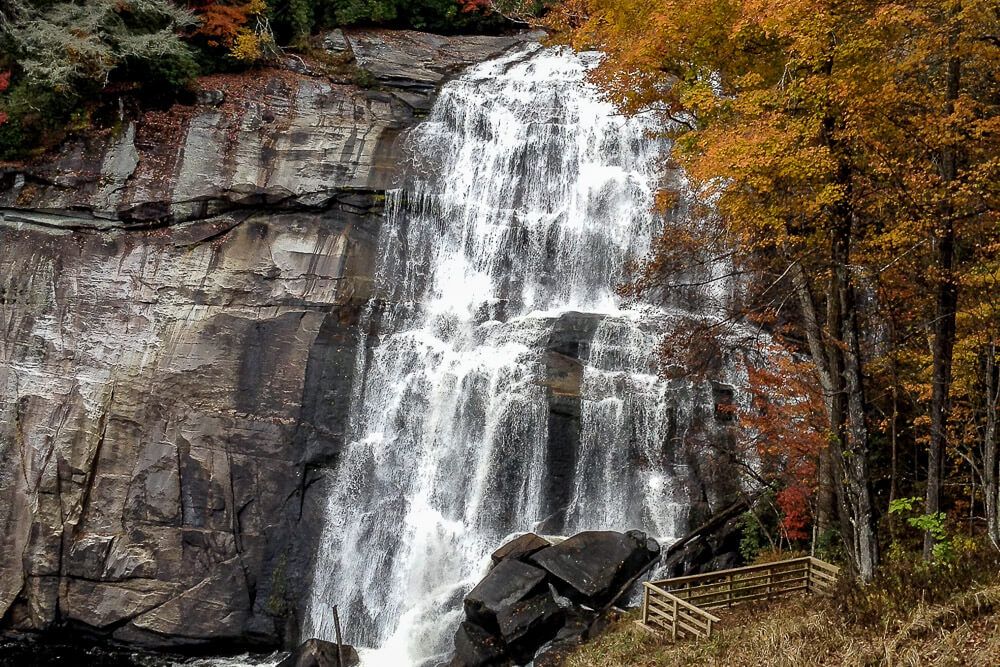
x=249, y=47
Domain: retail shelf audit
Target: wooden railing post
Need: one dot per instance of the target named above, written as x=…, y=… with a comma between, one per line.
x=673, y=626
x=645, y=605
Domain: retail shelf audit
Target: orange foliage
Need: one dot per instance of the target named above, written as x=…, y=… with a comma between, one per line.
x=850, y=141
x=475, y=5
x=221, y=23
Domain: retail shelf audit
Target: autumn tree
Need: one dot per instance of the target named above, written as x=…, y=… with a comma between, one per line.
x=849, y=153
x=746, y=90
x=64, y=46
x=925, y=125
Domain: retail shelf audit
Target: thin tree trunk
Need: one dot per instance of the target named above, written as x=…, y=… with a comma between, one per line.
x=944, y=322
x=991, y=492
x=835, y=349
x=826, y=498
x=894, y=423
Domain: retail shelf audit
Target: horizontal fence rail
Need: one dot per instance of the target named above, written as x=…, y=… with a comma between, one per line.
x=680, y=605
x=668, y=612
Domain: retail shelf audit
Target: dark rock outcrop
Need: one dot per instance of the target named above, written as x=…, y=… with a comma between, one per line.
x=318, y=653
x=514, y=613
x=567, y=351
x=178, y=300
x=508, y=583
x=714, y=545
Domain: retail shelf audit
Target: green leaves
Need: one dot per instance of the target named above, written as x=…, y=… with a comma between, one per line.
x=935, y=524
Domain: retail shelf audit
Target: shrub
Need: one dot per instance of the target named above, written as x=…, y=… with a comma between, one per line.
x=34, y=116
x=62, y=54
x=905, y=580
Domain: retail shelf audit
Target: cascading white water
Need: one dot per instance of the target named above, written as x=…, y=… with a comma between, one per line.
x=526, y=200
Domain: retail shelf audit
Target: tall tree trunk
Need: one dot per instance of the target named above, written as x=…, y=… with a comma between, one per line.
x=991, y=488
x=847, y=407
x=944, y=320
x=857, y=477
x=850, y=447
x=894, y=423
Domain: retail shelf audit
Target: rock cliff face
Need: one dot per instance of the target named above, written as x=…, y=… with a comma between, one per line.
x=178, y=301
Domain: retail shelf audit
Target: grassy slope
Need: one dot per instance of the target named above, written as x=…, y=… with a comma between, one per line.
x=965, y=630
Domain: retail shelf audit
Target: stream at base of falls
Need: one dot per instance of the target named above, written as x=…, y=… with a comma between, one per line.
x=504, y=386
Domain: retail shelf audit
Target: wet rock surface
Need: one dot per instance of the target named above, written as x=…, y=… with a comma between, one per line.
x=592, y=567
x=178, y=301
x=318, y=653
x=520, y=610
x=507, y=584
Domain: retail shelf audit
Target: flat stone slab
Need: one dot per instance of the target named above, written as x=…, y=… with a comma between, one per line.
x=594, y=565
x=520, y=548
x=421, y=60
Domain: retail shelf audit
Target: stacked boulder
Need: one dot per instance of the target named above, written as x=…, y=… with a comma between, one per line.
x=538, y=594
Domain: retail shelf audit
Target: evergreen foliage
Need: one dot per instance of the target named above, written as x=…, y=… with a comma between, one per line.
x=57, y=57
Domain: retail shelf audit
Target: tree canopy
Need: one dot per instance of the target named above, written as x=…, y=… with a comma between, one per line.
x=849, y=151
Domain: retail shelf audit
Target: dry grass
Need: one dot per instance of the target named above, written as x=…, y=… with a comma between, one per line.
x=811, y=631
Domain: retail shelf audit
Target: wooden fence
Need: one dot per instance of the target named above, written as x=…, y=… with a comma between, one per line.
x=680, y=605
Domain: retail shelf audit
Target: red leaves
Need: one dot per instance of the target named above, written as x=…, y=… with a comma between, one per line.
x=788, y=418
x=4, y=85
x=793, y=501
x=475, y=5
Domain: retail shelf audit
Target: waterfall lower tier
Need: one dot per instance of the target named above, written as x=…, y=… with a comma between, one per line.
x=503, y=386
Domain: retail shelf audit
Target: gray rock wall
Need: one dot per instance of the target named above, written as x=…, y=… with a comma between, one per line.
x=178, y=300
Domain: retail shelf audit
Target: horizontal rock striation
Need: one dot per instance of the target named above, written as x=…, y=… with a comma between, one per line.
x=178, y=301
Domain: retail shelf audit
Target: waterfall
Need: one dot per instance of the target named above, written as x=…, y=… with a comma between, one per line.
x=526, y=200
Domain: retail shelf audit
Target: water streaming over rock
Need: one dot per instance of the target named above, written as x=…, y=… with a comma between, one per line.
x=505, y=389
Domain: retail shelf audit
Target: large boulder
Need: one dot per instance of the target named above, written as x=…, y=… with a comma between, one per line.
x=318, y=653
x=530, y=623
x=593, y=568
x=507, y=584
